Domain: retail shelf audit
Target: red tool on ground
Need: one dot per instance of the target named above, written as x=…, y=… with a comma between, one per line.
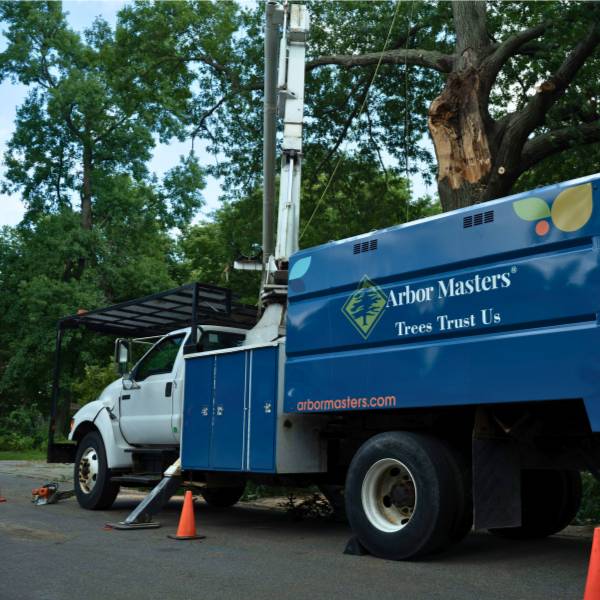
x=49, y=494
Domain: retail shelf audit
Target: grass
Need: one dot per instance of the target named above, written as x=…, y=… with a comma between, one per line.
x=22, y=455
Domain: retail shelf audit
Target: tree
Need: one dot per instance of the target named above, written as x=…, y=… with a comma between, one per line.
x=500, y=86
x=87, y=126
x=98, y=226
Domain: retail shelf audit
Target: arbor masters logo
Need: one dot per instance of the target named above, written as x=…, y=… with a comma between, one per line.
x=364, y=306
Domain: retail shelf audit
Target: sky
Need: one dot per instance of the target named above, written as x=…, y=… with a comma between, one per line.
x=81, y=14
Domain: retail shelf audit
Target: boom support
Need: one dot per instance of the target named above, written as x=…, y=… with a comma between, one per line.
x=290, y=90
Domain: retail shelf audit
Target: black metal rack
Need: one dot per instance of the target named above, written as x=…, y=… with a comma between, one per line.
x=186, y=306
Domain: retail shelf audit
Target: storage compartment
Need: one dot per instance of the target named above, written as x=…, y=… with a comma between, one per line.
x=230, y=410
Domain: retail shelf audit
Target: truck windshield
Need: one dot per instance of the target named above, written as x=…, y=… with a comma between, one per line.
x=160, y=359
x=216, y=340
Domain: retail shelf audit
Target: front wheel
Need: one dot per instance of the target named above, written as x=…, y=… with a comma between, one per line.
x=223, y=497
x=403, y=496
x=93, y=487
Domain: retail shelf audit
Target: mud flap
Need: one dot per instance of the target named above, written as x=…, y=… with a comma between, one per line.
x=496, y=483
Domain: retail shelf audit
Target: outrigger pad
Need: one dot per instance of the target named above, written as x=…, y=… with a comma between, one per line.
x=355, y=548
x=125, y=525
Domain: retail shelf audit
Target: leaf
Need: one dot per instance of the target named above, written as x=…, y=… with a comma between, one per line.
x=572, y=208
x=300, y=268
x=532, y=209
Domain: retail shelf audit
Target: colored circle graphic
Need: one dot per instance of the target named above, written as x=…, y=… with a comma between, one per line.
x=542, y=227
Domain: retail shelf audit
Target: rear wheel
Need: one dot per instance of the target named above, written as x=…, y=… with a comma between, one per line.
x=223, y=497
x=403, y=496
x=93, y=487
x=550, y=500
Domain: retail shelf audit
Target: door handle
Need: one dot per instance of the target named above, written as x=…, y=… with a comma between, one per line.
x=125, y=396
x=168, y=388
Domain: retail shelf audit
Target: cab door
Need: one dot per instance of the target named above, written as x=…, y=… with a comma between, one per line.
x=146, y=411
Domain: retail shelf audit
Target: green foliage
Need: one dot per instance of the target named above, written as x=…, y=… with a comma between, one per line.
x=218, y=47
x=98, y=226
x=23, y=428
x=29, y=454
x=363, y=197
x=589, y=513
x=95, y=379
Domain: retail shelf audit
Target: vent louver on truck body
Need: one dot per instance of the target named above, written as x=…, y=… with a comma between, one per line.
x=478, y=219
x=367, y=246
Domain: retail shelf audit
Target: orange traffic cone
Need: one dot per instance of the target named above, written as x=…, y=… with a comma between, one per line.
x=592, y=586
x=187, y=524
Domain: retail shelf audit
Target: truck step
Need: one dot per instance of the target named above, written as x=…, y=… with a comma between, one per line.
x=143, y=480
x=152, y=451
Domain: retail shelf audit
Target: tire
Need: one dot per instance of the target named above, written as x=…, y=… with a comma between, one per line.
x=223, y=497
x=550, y=500
x=93, y=492
x=404, y=498
x=463, y=521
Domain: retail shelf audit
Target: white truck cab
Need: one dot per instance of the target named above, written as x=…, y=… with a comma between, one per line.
x=138, y=414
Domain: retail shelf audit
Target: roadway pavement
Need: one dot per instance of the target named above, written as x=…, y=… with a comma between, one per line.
x=62, y=552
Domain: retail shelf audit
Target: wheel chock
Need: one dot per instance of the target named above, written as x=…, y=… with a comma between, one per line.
x=355, y=548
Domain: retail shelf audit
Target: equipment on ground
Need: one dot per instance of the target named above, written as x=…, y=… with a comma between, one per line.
x=49, y=494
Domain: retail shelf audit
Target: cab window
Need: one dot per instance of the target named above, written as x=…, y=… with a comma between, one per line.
x=217, y=340
x=160, y=359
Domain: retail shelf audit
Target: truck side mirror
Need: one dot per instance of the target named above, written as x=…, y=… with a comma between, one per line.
x=122, y=355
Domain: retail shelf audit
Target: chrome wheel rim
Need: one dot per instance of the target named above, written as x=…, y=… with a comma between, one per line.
x=389, y=495
x=88, y=470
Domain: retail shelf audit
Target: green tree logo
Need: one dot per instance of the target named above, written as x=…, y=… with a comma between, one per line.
x=364, y=307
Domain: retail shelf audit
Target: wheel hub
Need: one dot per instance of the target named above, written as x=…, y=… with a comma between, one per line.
x=88, y=470
x=389, y=495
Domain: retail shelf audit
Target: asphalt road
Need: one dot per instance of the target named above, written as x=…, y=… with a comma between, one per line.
x=63, y=552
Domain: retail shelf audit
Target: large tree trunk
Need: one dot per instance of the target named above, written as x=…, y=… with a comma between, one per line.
x=86, y=189
x=458, y=116
x=461, y=142
x=86, y=203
